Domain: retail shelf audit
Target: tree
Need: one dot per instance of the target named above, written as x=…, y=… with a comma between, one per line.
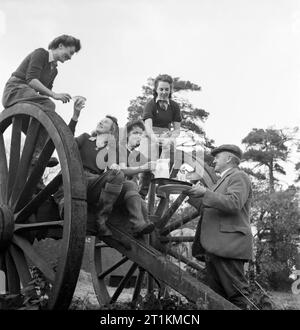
x=275, y=212
x=269, y=149
x=276, y=218
x=192, y=117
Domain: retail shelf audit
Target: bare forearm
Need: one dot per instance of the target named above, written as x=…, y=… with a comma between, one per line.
x=148, y=129
x=39, y=87
x=132, y=170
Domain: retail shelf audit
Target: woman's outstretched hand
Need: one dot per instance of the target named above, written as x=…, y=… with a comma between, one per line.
x=79, y=104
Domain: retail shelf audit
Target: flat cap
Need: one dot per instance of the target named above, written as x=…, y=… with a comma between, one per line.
x=230, y=148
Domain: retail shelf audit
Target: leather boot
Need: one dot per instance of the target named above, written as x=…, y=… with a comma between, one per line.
x=134, y=207
x=107, y=199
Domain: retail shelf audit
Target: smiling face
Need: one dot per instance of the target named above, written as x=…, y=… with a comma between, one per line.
x=64, y=53
x=104, y=126
x=163, y=90
x=134, y=137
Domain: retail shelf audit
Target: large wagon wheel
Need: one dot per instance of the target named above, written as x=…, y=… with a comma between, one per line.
x=21, y=201
x=149, y=259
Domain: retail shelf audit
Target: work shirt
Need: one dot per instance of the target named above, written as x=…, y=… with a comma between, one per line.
x=161, y=117
x=40, y=65
x=89, y=151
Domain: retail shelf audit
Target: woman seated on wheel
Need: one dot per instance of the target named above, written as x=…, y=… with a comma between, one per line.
x=106, y=185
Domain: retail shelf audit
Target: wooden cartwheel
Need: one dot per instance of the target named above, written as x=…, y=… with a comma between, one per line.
x=28, y=213
x=150, y=258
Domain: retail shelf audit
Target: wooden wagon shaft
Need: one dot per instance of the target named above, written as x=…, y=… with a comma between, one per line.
x=165, y=271
x=184, y=259
x=178, y=223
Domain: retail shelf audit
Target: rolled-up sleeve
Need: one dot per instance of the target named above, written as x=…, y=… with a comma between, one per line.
x=148, y=110
x=38, y=59
x=177, y=114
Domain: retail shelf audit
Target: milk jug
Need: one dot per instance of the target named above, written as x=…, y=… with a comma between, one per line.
x=162, y=168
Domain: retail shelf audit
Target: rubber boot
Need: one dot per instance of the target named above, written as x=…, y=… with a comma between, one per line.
x=134, y=207
x=107, y=199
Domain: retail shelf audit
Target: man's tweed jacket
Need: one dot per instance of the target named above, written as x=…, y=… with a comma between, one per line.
x=225, y=228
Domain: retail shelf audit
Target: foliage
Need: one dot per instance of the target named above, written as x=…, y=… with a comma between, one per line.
x=33, y=296
x=155, y=301
x=276, y=218
x=268, y=149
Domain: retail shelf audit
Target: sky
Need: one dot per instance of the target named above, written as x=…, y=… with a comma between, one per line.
x=245, y=54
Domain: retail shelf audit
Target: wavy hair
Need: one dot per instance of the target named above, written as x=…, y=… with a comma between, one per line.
x=67, y=41
x=164, y=78
x=114, y=131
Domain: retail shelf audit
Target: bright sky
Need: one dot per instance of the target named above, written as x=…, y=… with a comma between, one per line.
x=245, y=55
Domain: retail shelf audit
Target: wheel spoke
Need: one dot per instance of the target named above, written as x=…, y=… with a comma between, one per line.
x=115, y=266
x=182, y=258
x=12, y=277
x=21, y=265
x=35, y=176
x=151, y=198
x=123, y=283
x=172, y=209
x=178, y=223
x=36, y=259
x=32, y=206
x=15, y=147
x=3, y=172
x=178, y=239
x=138, y=285
x=163, y=204
x=38, y=225
x=26, y=160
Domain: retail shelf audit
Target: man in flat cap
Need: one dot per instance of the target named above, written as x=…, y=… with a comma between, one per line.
x=225, y=229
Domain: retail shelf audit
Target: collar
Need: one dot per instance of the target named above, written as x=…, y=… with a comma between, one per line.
x=92, y=138
x=224, y=172
x=51, y=57
x=158, y=99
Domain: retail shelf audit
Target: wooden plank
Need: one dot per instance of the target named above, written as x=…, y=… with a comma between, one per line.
x=165, y=271
x=26, y=160
x=14, y=157
x=36, y=259
x=3, y=172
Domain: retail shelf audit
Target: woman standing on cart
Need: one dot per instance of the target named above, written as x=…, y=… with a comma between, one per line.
x=160, y=115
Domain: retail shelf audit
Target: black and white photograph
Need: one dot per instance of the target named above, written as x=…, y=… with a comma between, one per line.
x=149, y=158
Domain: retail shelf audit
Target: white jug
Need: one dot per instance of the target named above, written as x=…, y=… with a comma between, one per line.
x=162, y=168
